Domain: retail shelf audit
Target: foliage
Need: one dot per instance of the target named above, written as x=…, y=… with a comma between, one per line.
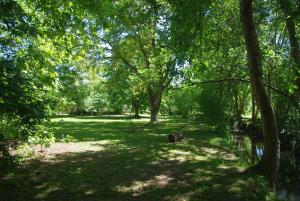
x=11, y=127
x=178, y=57
x=41, y=136
x=67, y=138
x=212, y=105
x=185, y=101
x=26, y=74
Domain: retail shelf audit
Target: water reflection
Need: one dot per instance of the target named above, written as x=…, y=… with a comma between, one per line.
x=289, y=176
x=289, y=192
x=259, y=150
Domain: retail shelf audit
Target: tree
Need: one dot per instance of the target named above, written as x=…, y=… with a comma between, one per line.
x=138, y=37
x=290, y=17
x=271, y=143
x=26, y=76
x=143, y=36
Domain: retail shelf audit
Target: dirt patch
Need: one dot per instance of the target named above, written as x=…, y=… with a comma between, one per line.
x=60, y=148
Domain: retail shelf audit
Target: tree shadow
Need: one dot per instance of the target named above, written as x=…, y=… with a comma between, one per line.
x=125, y=175
x=137, y=163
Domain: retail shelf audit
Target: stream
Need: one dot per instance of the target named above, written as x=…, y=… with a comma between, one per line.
x=289, y=183
x=289, y=191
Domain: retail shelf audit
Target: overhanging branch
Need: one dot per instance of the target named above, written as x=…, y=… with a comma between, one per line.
x=125, y=61
x=191, y=83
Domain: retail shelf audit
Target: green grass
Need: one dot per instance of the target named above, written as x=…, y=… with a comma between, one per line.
x=118, y=159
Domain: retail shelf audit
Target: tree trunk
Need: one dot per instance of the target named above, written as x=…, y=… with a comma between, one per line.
x=254, y=113
x=253, y=121
x=136, y=107
x=154, y=101
x=136, y=111
x=237, y=108
x=295, y=52
x=154, y=114
x=270, y=136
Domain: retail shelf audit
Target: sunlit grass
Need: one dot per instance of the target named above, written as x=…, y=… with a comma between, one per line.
x=117, y=158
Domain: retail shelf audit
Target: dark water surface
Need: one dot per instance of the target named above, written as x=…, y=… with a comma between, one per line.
x=290, y=191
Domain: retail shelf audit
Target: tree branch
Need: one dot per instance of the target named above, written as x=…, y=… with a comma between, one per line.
x=147, y=62
x=233, y=80
x=125, y=61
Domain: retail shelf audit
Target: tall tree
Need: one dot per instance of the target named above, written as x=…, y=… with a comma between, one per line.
x=290, y=17
x=271, y=154
x=137, y=36
x=144, y=36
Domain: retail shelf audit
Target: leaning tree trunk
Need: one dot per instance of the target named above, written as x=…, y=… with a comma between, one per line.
x=154, y=101
x=271, y=153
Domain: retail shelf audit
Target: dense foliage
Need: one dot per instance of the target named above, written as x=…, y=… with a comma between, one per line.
x=27, y=76
x=178, y=57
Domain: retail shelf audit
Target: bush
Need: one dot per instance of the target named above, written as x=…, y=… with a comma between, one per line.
x=67, y=138
x=213, y=107
x=11, y=127
x=13, y=131
x=41, y=136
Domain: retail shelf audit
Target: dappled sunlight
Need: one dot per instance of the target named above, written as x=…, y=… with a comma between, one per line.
x=217, y=141
x=45, y=193
x=182, y=156
x=78, y=170
x=130, y=161
x=228, y=156
x=223, y=166
x=156, y=135
x=90, y=191
x=142, y=100
x=241, y=185
x=100, y=119
x=208, y=150
x=203, y=175
x=185, y=197
x=59, y=148
x=43, y=185
x=137, y=187
x=213, y=152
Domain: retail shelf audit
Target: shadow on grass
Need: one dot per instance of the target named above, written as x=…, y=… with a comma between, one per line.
x=137, y=163
x=104, y=116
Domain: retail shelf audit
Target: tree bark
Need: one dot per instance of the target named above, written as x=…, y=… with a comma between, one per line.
x=253, y=121
x=154, y=101
x=136, y=107
x=270, y=136
x=253, y=112
x=137, y=111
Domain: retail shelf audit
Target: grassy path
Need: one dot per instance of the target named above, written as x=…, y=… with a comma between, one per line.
x=120, y=159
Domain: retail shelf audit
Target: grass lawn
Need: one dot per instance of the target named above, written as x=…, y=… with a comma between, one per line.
x=118, y=159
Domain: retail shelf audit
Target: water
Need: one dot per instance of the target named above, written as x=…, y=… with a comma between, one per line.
x=289, y=187
x=289, y=192
x=259, y=151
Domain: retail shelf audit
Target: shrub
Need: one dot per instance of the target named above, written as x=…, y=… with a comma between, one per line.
x=11, y=127
x=41, y=136
x=67, y=138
